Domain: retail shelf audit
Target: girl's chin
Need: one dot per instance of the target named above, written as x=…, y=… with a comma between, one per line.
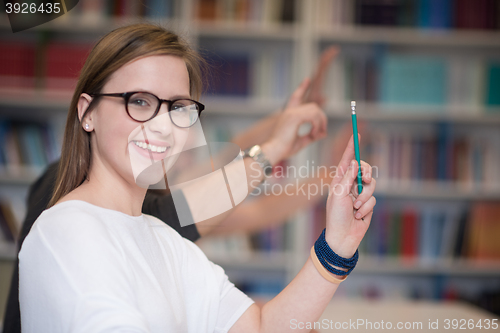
x=146, y=175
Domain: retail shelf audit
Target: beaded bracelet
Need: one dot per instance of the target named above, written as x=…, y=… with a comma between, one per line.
x=328, y=258
x=322, y=270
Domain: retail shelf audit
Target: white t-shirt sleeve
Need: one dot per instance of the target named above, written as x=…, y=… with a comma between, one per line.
x=73, y=279
x=233, y=304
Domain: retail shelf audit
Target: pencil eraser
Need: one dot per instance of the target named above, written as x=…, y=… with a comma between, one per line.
x=353, y=103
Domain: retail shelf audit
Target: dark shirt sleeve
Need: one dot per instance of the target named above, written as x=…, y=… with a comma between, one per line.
x=162, y=206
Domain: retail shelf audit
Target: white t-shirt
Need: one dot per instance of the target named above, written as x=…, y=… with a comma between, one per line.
x=84, y=268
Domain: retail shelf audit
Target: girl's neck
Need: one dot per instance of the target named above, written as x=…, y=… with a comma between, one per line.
x=109, y=190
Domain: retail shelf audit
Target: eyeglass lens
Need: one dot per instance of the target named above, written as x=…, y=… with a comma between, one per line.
x=142, y=106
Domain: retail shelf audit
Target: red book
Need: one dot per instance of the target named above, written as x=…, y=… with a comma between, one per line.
x=207, y=10
x=409, y=233
x=476, y=14
x=17, y=65
x=63, y=64
x=119, y=8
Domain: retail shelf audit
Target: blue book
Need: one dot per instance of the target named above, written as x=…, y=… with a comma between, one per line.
x=444, y=151
x=436, y=14
x=493, y=84
x=437, y=233
x=426, y=235
x=31, y=143
x=415, y=80
x=50, y=144
x=3, y=131
x=159, y=8
x=423, y=13
x=230, y=75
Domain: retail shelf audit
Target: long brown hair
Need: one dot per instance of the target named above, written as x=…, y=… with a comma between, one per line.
x=114, y=50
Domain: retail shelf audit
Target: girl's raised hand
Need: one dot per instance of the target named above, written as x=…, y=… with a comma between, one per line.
x=348, y=214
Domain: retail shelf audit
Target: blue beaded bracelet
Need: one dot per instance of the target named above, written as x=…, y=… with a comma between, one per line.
x=328, y=258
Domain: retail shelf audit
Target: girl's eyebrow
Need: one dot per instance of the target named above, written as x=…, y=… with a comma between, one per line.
x=171, y=98
x=180, y=97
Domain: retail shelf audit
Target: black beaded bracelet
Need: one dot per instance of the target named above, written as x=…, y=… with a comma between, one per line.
x=327, y=257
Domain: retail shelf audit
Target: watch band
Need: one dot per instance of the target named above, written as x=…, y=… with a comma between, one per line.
x=255, y=152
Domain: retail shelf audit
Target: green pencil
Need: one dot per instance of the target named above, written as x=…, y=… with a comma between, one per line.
x=356, y=144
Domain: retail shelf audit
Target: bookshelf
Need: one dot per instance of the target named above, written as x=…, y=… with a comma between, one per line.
x=261, y=41
x=410, y=36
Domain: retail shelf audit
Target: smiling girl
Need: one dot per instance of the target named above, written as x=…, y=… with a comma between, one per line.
x=93, y=262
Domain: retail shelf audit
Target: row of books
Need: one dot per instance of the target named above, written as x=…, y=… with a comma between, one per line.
x=264, y=74
x=440, y=154
x=425, y=232
x=9, y=226
x=425, y=14
x=246, y=11
x=428, y=232
x=101, y=9
x=436, y=14
x=54, y=66
x=463, y=83
x=26, y=145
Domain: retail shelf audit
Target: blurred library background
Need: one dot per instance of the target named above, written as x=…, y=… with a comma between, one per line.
x=426, y=78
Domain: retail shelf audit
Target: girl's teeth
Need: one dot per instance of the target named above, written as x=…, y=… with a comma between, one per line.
x=153, y=148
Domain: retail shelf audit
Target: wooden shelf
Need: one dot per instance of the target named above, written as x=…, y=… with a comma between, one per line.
x=35, y=99
x=410, y=36
x=432, y=190
x=413, y=113
x=23, y=176
x=246, y=30
x=458, y=267
x=269, y=261
x=248, y=106
x=243, y=106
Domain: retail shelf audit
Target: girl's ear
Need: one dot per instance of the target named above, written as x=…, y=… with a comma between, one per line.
x=84, y=116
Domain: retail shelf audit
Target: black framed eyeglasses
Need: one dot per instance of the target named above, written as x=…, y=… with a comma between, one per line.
x=144, y=106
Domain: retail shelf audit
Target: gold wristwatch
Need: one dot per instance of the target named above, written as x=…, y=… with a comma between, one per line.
x=258, y=156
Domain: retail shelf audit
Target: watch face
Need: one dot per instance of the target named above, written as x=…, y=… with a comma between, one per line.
x=256, y=154
x=255, y=150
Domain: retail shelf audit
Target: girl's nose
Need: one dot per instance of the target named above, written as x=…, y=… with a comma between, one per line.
x=161, y=124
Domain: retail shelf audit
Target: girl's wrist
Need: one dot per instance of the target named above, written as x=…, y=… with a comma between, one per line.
x=330, y=260
x=342, y=246
x=271, y=150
